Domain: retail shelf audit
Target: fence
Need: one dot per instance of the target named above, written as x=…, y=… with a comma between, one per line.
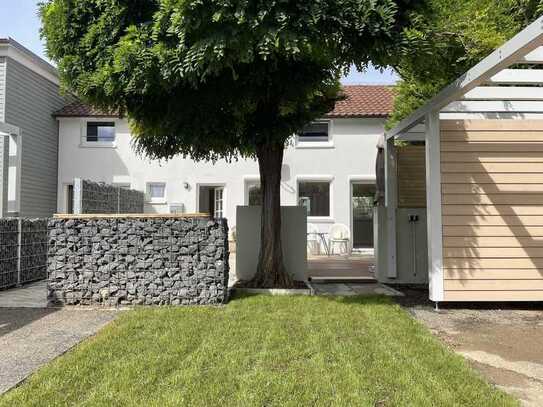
x=100, y=198
x=23, y=251
x=138, y=260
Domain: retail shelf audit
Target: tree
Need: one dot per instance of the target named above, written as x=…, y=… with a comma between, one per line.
x=220, y=79
x=446, y=38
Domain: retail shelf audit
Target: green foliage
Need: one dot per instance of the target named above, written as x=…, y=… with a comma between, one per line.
x=214, y=78
x=446, y=38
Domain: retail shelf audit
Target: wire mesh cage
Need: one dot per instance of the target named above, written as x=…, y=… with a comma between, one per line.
x=137, y=261
x=23, y=251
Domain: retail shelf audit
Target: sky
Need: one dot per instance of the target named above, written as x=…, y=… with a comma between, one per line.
x=19, y=20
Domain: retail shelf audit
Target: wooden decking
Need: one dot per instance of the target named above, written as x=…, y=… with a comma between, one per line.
x=341, y=267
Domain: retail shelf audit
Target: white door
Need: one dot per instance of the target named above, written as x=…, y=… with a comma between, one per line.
x=219, y=202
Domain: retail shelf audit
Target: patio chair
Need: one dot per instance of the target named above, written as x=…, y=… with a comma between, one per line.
x=313, y=241
x=340, y=235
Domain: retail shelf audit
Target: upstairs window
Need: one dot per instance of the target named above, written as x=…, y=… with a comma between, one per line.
x=316, y=132
x=100, y=132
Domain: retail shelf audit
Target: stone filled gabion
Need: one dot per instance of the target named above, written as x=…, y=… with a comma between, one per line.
x=33, y=253
x=8, y=252
x=33, y=250
x=97, y=197
x=138, y=261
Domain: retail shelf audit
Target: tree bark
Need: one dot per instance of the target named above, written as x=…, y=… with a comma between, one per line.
x=271, y=272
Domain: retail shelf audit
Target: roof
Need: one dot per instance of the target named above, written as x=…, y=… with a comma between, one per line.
x=11, y=48
x=365, y=101
x=80, y=109
x=361, y=101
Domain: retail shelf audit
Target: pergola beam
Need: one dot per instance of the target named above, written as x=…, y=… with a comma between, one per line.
x=534, y=57
x=508, y=54
x=9, y=129
x=518, y=77
x=504, y=93
x=494, y=106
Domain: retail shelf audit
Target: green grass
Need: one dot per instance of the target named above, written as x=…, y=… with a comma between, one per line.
x=262, y=351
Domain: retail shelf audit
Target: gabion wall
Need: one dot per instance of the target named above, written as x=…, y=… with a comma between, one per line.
x=131, y=201
x=33, y=251
x=100, y=198
x=138, y=261
x=9, y=238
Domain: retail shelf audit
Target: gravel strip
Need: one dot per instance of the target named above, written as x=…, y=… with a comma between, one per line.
x=29, y=338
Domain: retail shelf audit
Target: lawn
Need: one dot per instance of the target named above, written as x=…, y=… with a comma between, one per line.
x=262, y=351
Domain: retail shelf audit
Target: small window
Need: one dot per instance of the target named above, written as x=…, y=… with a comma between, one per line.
x=156, y=192
x=100, y=132
x=315, y=197
x=254, y=194
x=316, y=132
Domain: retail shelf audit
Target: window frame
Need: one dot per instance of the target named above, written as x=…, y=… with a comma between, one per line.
x=98, y=144
x=300, y=143
x=155, y=200
x=329, y=179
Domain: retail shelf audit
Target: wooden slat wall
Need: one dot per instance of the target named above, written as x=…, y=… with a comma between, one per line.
x=411, y=176
x=492, y=210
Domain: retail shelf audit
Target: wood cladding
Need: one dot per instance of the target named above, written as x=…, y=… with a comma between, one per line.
x=411, y=176
x=492, y=210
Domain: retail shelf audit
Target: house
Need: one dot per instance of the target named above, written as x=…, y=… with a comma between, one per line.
x=480, y=141
x=29, y=94
x=329, y=167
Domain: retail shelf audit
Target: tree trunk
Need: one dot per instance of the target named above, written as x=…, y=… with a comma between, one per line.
x=271, y=272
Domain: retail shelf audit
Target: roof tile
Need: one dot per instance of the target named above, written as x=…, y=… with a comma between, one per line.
x=361, y=101
x=365, y=101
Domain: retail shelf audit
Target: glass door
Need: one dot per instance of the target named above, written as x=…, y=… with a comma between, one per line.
x=362, y=215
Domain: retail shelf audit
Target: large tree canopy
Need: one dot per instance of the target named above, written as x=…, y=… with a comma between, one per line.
x=446, y=38
x=215, y=79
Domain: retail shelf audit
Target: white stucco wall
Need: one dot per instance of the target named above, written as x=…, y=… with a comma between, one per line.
x=351, y=158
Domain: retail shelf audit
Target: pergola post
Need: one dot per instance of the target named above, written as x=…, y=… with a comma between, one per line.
x=391, y=204
x=4, y=172
x=433, y=202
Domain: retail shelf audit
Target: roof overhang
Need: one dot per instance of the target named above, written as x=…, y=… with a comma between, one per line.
x=489, y=87
x=9, y=48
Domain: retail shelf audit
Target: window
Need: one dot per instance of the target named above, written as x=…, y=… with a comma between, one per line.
x=315, y=196
x=156, y=192
x=100, y=132
x=316, y=132
x=254, y=195
x=219, y=203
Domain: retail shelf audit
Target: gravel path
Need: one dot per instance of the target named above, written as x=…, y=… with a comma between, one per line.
x=29, y=338
x=502, y=341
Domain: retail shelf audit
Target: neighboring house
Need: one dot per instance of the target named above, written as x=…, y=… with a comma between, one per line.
x=329, y=168
x=29, y=94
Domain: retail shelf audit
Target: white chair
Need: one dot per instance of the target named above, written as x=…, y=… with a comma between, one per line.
x=340, y=235
x=313, y=241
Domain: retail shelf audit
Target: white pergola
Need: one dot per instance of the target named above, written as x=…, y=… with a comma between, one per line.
x=497, y=87
x=6, y=130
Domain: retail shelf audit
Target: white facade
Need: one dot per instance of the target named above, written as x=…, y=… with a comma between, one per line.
x=347, y=157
